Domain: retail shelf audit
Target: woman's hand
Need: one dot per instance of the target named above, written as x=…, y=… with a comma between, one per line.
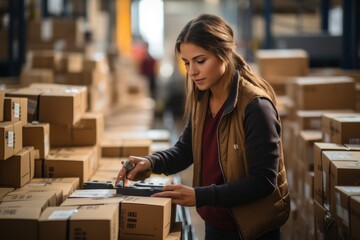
x=141, y=170
x=180, y=194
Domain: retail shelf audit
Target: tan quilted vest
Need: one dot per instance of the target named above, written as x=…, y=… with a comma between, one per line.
x=257, y=218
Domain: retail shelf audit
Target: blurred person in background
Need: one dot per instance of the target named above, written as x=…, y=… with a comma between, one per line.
x=232, y=138
x=148, y=68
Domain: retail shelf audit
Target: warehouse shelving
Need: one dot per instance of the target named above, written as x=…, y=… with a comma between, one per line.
x=16, y=35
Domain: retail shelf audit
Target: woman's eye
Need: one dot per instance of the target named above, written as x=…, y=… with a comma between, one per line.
x=200, y=61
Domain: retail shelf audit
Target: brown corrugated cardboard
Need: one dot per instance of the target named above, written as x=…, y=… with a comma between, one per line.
x=306, y=141
x=30, y=75
x=10, y=139
x=175, y=232
x=87, y=131
x=18, y=169
x=19, y=223
x=327, y=93
x=82, y=201
x=282, y=62
x=311, y=119
x=44, y=59
x=95, y=222
x=324, y=227
x=4, y=191
x=328, y=160
x=31, y=188
x=49, y=196
x=319, y=179
x=62, y=107
x=53, y=103
x=345, y=129
x=354, y=217
x=145, y=218
x=54, y=221
x=79, y=91
x=37, y=135
x=33, y=100
x=344, y=171
x=34, y=203
x=73, y=182
x=70, y=162
x=125, y=148
x=342, y=197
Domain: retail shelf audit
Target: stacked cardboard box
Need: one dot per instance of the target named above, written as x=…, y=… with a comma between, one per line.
x=319, y=107
x=278, y=66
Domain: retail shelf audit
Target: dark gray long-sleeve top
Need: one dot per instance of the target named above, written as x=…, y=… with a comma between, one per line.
x=262, y=136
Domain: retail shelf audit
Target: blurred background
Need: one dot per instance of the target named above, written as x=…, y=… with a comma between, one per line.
x=122, y=51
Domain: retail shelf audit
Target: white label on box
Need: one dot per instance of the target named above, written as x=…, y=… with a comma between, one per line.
x=10, y=139
x=32, y=104
x=62, y=214
x=46, y=144
x=46, y=30
x=93, y=193
x=17, y=110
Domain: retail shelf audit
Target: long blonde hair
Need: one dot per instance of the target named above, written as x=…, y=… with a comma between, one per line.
x=213, y=34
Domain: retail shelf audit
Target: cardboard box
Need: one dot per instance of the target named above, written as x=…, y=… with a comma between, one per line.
x=311, y=119
x=4, y=191
x=87, y=131
x=320, y=182
x=96, y=200
x=53, y=103
x=44, y=59
x=48, y=196
x=33, y=96
x=62, y=106
x=70, y=162
x=91, y=222
x=54, y=221
x=30, y=75
x=307, y=138
x=175, y=232
x=18, y=169
x=37, y=203
x=32, y=188
x=72, y=182
x=145, y=218
x=354, y=217
x=327, y=93
x=329, y=158
x=342, y=128
x=37, y=135
x=344, y=171
x=342, y=197
x=324, y=227
x=19, y=223
x=125, y=148
x=72, y=62
x=271, y=62
x=15, y=110
x=10, y=139
x=95, y=222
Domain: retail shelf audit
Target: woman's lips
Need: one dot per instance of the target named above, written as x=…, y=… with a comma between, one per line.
x=198, y=80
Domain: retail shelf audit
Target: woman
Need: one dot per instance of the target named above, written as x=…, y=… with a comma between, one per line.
x=232, y=138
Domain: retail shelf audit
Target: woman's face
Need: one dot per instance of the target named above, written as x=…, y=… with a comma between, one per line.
x=203, y=67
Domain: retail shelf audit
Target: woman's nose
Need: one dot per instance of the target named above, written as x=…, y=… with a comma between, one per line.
x=193, y=69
